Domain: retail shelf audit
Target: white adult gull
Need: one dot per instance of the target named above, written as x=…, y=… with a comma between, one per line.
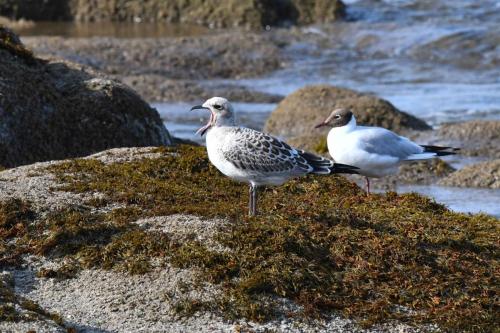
x=376, y=151
x=247, y=155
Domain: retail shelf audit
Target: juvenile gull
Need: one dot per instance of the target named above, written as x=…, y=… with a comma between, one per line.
x=247, y=155
x=376, y=151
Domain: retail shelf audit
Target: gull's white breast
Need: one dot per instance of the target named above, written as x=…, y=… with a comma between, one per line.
x=219, y=138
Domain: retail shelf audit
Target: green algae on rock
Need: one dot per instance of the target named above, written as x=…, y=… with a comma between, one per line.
x=375, y=259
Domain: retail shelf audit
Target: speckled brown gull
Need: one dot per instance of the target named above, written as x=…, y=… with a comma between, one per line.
x=250, y=156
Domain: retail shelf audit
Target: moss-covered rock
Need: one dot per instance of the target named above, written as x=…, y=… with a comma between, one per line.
x=300, y=111
x=250, y=13
x=319, y=242
x=54, y=110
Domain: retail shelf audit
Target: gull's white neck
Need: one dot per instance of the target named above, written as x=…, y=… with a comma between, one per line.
x=225, y=120
x=335, y=137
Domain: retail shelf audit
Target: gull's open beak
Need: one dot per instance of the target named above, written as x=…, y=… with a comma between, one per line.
x=198, y=107
x=205, y=128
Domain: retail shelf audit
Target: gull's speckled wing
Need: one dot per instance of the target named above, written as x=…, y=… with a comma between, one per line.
x=257, y=152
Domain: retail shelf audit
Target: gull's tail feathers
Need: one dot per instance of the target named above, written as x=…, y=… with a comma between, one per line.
x=433, y=151
x=440, y=151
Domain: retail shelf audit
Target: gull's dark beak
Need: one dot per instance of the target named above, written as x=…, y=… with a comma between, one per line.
x=198, y=107
x=320, y=125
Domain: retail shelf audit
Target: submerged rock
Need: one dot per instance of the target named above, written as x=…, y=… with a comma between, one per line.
x=213, y=13
x=484, y=174
x=175, y=69
x=221, y=55
x=53, y=110
x=300, y=111
x=156, y=88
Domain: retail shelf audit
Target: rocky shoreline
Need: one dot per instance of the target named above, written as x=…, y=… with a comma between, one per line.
x=162, y=70
x=155, y=238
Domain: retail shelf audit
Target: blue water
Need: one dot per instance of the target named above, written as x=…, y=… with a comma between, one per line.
x=465, y=200
x=436, y=59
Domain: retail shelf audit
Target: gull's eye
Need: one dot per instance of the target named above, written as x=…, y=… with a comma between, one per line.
x=218, y=107
x=337, y=116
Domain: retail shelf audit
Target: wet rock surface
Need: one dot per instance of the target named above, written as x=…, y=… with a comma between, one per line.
x=223, y=55
x=175, y=69
x=484, y=174
x=158, y=88
x=202, y=57
x=57, y=109
x=231, y=13
x=475, y=138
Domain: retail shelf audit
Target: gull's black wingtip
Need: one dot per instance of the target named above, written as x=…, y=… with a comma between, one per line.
x=344, y=168
x=439, y=150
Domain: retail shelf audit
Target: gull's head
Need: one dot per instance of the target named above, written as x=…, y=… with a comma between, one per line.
x=338, y=118
x=221, y=113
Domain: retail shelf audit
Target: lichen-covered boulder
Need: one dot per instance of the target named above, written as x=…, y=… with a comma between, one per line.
x=248, y=13
x=300, y=111
x=54, y=110
x=484, y=174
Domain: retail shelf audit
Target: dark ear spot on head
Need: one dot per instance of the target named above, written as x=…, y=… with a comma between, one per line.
x=218, y=107
x=348, y=116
